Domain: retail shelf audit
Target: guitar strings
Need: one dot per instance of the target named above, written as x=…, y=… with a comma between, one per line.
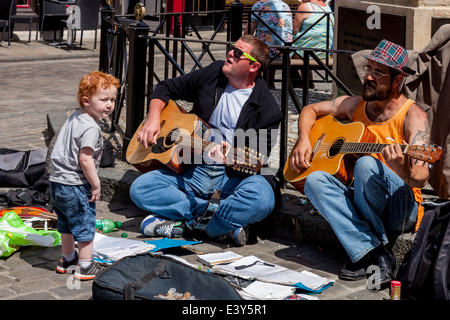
x=198, y=143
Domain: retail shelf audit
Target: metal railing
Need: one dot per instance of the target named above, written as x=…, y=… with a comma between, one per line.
x=128, y=50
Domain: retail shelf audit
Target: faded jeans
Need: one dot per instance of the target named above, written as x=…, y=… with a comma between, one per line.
x=362, y=216
x=185, y=196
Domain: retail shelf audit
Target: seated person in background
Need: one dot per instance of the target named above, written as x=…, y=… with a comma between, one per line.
x=234, y=100
x=384, y=197
x=280, y=23
x=316, y=37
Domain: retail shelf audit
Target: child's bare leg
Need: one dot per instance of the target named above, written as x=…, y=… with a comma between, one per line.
x=67, y=246
x=85, y=250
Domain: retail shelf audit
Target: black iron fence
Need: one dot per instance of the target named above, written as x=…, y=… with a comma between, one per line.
x=128, y=50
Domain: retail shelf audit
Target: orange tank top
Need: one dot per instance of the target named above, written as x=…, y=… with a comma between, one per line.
x=388, y=132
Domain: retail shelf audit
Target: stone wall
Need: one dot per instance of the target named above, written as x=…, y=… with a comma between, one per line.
x=419, y=16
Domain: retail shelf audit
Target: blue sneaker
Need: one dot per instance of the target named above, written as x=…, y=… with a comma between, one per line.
x=156, y=226
x=240, y=236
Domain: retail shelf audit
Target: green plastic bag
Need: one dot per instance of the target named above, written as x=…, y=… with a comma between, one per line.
x=14, y=233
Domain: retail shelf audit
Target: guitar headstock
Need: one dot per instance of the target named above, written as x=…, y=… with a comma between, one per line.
x=423, y=153
x=245, y=160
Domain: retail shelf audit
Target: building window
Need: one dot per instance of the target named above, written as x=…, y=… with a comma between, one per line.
x=23, y=3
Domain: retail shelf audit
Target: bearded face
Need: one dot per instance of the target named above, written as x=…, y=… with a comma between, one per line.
x=372, y=91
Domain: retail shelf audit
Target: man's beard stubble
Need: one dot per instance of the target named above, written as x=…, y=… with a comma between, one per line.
x=373, y=92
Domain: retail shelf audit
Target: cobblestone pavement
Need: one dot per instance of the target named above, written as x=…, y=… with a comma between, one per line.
x=35, y=88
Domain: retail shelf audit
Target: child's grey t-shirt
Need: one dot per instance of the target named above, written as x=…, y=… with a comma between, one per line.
x=79, y=131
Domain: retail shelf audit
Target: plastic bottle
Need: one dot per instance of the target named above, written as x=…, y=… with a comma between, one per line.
x=107, y=225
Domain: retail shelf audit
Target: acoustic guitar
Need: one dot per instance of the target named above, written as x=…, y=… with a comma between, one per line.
x=182, y=133
x=336, y=146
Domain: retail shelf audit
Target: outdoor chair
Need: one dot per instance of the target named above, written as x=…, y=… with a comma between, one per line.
x=4, y=16
x=21, y=18
x=89, y=12
x=9, y=16
x=51, y=14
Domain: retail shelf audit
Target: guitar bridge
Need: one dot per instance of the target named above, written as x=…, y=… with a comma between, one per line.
x=317, y=145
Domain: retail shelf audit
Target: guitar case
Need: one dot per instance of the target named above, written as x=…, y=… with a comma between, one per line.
x=151, y=277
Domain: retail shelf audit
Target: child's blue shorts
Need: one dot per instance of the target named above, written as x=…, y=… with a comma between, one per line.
x=76, y=215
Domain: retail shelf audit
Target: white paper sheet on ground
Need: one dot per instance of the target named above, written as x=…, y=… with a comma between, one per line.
x=110, y=249
x=259, y=290
x=211, y=259
x=251, y=267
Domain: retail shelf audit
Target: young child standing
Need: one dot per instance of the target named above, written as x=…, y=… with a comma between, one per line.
x=74, y=183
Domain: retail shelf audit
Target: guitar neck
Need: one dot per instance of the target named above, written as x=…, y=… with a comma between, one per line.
x=366, y=147
x=241, y=158
x=197, y=143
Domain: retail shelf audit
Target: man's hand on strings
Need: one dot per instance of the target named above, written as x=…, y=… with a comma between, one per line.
x=149, y=133
x=217, y=154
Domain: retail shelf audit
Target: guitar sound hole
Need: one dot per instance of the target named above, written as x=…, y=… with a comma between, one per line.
x=172, y=138
x=335, y=148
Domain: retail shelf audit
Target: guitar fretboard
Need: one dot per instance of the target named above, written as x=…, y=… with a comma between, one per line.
x=362, y=147
x=192, y=142
x=244, y=158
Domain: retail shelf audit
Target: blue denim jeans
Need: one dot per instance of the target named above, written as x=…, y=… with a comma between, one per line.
x=76, y=215
x=362, y=216
x=185, y=196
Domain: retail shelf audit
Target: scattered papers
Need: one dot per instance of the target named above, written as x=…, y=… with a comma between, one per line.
x=259, y=290
x=110, y=249
x=253, y=268
x=211, y=259
x=179, y=259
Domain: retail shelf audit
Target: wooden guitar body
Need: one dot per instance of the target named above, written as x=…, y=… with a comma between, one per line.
x=336, y=146
x=326, y=132
x=166, y=151
x=183, y=139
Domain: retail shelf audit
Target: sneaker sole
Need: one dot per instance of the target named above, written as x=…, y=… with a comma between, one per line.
x=84, y=277
x=64, y=270
x=61, y=270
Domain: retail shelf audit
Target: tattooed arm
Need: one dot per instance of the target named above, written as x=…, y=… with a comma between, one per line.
x=417, y=132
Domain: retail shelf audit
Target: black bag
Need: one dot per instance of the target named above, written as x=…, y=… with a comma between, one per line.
x=424, y=273
x=21, y=168
x=145, y=276
x=108, y=158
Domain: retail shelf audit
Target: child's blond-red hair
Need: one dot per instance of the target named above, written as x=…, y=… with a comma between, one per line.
x=90, y=83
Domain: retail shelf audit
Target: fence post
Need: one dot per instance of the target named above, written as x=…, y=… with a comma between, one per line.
x=135, y=108
x=236, y=9
x=286, y=67
x=106, y=13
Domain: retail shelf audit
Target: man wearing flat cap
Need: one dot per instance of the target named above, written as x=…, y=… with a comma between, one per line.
x=384, y=196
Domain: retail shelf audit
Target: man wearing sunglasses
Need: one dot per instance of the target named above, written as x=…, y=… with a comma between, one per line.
x=384, y=197
x=232, y=98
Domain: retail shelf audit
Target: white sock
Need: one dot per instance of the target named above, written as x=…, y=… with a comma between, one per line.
x=84, y=263
x=69, y=257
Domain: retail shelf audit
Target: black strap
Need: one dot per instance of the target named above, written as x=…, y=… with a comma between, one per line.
x=211, y=209
x=130, y=289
